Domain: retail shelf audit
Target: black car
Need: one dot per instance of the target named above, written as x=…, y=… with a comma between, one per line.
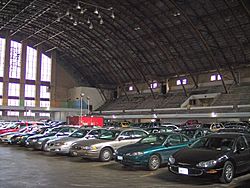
x=221, y=154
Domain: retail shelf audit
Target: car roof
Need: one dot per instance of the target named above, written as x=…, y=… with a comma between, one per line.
x=165, y=133
x=227, y=134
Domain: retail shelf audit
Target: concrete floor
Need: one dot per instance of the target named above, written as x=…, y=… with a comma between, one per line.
x=20, y=167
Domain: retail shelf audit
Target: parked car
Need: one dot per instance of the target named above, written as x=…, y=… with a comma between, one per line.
x=107, y=143
x=62, y=145
x=195, y=133
x=173, y=127
x=20, y=138
x=159, y=129
x=64, y=132
x=31, y=140
x=220, y=154
x=152, y=151
x=12, y=128
x=213, y=126
x=233, y=130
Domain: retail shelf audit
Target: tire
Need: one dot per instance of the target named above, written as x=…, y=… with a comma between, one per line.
x=43, y=144
x=154, y=162
x=105, y=155
x=227, y=173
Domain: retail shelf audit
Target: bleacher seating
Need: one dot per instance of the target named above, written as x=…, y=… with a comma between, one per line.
x=173, y=99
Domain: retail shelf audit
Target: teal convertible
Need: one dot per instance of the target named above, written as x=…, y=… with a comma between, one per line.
x=152, y=151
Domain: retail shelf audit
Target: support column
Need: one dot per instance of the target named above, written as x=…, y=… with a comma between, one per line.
x=22, y=78
x=53, y=80
x=167, y=85
x=6, y=73
x=38, y=78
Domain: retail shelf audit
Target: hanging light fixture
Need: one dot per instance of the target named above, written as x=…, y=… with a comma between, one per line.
x=77, y=12
x=113, y=15
x=91, y=26
x=78, y=6
x=96, y=11
x=88, y=21
x=67, y=13
x=83, y=11
x=101, y=21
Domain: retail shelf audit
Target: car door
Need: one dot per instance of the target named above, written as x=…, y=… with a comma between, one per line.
x=172, y=144
x=137, y=135
x=125, y=138
x=93, y=134
x=242, y=154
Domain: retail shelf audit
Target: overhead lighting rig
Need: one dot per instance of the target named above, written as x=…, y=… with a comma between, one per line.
x=83, y=12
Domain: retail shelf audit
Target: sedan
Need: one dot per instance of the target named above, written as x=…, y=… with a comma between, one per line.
x=106, y=144
x=152, y=151
x=62, y=145
x=220, y=154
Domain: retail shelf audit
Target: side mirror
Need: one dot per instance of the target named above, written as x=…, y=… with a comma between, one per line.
x=120, y=138
x=167, y=144
x=241, y=149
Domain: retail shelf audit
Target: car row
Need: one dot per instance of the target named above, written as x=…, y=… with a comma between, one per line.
x=190, y=151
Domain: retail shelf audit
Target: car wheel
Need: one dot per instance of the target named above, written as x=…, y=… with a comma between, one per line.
x=154, y=162
x=105, y=155
x=43, y=145
x=227, y=173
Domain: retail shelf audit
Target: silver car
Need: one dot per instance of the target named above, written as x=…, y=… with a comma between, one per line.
x=106, y=144
x=62, y=145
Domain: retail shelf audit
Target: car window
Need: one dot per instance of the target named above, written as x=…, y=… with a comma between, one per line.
x=174, y=140
x=72, y=129
x=79, y=134
x=241, y=143
x=138, y=134
x=153, y=139
x=198, y=134
x=95, y=133
x=214, y=143
x=126, y=135
x=64, y=130
x=184, y=139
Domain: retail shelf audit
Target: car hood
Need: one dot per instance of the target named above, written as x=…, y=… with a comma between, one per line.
x=194, y=155
x=38, y=136
x=90, y=142
x=137, y=147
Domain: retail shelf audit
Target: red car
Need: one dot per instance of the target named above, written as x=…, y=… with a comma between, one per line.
x=14, y=128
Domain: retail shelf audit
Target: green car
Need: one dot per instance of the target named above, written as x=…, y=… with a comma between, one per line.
x=152, y=151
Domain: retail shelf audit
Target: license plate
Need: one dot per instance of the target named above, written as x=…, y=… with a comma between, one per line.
x=120, y=158
x=74, y=153
x=183, y=171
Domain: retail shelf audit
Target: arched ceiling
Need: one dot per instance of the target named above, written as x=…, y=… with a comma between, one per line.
x=147, y=40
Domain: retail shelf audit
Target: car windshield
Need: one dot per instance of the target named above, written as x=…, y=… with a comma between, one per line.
x=214, y=143
x=79, y=134
x=109, y=135
x=190, y=133
x=153, y=139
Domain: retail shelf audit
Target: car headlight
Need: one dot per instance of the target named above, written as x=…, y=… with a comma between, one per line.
x=86, y=147
x=93, y=148
x=135, y=153
x=207, y=164
x=171, y=159
x=58, y=143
